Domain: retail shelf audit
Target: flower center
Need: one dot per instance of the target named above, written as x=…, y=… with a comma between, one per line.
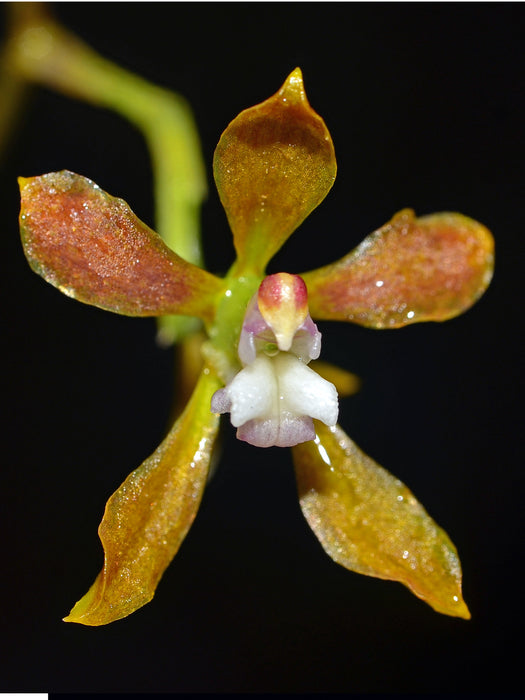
x=274, y=398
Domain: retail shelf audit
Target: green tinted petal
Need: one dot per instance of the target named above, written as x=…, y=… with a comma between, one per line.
x=273, y=165
x=93, y=248
x=369, y=522
x=148, y=517
x=412, y=269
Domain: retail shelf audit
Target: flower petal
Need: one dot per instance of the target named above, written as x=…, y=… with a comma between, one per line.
x=272, y=401
x=369, y=522
x=253, y=393
x=273, y=165
x=412, y=269
x=286, y=432
x=93, y=248
x=148, y=517
x=304, y=392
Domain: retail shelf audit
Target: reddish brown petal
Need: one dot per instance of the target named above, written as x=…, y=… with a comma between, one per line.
x=412, y=269
x=369, y=522
x=148, y=516
x=93, y=248
x=273, y=165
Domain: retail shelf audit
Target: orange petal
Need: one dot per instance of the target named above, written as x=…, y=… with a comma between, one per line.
x=273, y=165
x=412, y=269
x=369, y=521
x=93, y=248
x=148, y=517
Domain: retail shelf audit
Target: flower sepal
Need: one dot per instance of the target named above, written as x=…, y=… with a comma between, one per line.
x=149, y=515
x=369, y=522
x=273, y=165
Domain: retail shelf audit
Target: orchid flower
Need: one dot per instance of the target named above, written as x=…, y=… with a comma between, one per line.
x=273, y=165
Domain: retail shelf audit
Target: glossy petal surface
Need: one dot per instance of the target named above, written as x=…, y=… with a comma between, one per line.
x=369, y=522
x=93, y=248
x=412, y=269
x=148, y=517
x=273, y=165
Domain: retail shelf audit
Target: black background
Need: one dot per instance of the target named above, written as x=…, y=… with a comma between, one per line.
x=425, y=106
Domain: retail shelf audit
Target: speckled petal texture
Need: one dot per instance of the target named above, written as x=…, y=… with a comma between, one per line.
x=412, y=269
x=273, y=165
x=369, y=522
x=93, y=248
x=147, y=518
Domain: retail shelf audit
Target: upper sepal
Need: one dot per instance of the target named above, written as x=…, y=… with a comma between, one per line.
x=273, y=165
x=369, y=522
x=93, y=248
x=411, y=269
